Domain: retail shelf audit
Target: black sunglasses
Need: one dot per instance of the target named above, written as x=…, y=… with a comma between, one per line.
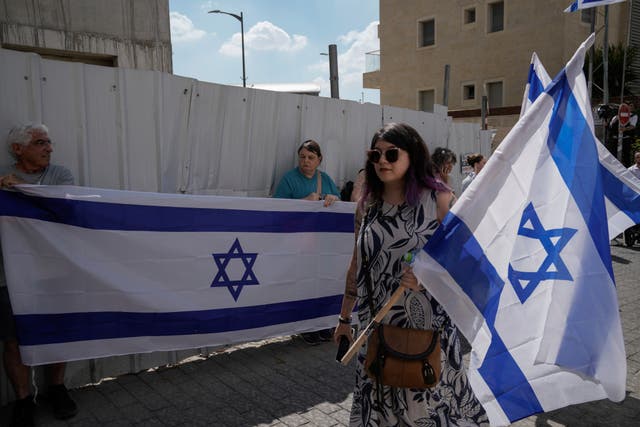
x=390, y=154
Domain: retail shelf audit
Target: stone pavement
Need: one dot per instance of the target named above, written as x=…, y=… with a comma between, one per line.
x=285, y=382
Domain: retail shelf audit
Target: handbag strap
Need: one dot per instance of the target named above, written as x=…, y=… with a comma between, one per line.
x=395, y=353
x=319, y=184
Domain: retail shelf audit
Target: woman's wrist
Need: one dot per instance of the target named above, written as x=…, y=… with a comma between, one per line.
x=344, y=320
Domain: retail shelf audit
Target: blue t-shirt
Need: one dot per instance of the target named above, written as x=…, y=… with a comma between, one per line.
x=294, y=185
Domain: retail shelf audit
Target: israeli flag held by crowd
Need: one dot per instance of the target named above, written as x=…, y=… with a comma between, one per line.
x=621, y=187
x=522, y=264
x=586, y=4
x=94, y=273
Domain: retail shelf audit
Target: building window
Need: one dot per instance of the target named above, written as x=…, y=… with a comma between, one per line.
x=585, y=15
x=494, y=93
x=495, y=17
x=468, y=92
x=470, y=15
x=426, y=99
x=427, y=32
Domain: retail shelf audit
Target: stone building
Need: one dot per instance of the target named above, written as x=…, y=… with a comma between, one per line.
x=487, y=46
x=116, y=33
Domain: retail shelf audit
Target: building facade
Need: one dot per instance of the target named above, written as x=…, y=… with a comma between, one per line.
x=486, y=45
x=116, y=33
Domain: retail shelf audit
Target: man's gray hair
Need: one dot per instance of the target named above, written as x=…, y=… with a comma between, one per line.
x=22, y=135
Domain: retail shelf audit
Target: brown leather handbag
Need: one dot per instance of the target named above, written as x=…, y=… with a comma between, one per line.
x=402, y=357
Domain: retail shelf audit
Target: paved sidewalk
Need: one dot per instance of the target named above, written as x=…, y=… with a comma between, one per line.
x=285, y=382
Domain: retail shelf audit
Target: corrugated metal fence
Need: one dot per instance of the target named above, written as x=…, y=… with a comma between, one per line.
x=150, y=131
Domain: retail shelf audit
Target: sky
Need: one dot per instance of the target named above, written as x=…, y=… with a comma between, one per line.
x=283, y=41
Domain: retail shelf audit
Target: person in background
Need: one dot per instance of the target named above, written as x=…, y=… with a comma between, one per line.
x=31, y=148
x=477, y=162
x=358, y=186
x=307, y=182
x=401, y=207
x=443, y=161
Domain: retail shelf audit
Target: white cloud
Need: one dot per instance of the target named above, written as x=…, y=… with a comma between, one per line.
x=264, y=36
x=353, y=59
x=325, y=87
x=351, y=63
x=182, y=29
x=209, y=5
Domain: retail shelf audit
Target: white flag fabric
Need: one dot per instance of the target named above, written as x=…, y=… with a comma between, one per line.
x=522, y=264
x=621, y=187
x=94, y=272
x=586, y=4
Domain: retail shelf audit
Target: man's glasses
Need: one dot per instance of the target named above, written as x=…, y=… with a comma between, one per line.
x=390, y=154
x=41, y=142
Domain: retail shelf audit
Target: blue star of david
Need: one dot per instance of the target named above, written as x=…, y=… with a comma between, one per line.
x=525, y=282
x=222, y=279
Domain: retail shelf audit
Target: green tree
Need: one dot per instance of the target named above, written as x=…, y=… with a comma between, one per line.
x=615, y=60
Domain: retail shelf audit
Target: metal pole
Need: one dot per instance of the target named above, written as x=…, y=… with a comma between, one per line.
x=445, y=92
x=592, y=52
x=333, y=70
x=244, y=73
x=241, y=19
x=483, y=112
x=624, y=55
x=605, y=58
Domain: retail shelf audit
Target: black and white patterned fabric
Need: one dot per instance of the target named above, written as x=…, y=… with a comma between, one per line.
x=389, y=232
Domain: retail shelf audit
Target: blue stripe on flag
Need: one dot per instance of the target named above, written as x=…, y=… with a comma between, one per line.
x=114, y=216
x=535, y=84
x=40, y=329
x=574, y=151
x=455, y=248
x=621, y=195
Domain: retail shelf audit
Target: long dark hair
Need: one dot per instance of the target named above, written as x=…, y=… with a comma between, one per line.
x=418, y=177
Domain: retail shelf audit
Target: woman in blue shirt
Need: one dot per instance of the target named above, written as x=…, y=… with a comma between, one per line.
x=306, y=181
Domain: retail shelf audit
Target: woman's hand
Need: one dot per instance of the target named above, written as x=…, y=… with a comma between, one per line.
x=342, y=329
x=313, y=196
x=329, y=199
x=409, y=280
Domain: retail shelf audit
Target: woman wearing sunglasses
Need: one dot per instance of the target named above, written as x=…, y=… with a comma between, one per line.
x=401, y=206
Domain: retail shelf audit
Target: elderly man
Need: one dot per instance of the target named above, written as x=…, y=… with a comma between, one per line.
x=31, y=148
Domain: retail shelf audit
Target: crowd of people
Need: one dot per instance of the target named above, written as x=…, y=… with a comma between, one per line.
x=401, y=194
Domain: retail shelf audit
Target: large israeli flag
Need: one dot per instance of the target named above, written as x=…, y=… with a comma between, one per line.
x=95, y=272
x=621, y=187
x=522, y=264
x=586, y=4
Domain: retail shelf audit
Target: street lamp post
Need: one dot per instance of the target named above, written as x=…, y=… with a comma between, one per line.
x=241, y=19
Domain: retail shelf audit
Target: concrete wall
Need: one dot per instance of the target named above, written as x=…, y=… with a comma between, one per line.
x=150, y=131
x=135, y=32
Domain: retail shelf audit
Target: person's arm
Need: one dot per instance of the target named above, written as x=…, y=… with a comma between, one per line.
x=331, y=193
x=444, y=200
x=283, y=190
x=65, y=177
x=350, y=289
